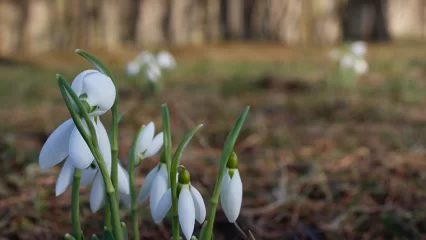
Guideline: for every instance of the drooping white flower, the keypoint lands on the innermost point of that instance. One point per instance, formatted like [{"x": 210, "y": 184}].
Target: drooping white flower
[
  {"x": 145, "y": 57},
  {"x": 231, "y": 192},
  {"x": 166, "y": 60},
  {"x": 359, "y": 48},
  {"x": 361, "y": 66},
  {"x": 133, "y": 68},
  {"x": 347, "y": 61},
  {"x": 191, "y": 205},
  {"x": 147, "y": 145},
  {"x": 60, "y": 146},
  {"x": 96, "y": 89},
  {"x": 152, "y": 71}
]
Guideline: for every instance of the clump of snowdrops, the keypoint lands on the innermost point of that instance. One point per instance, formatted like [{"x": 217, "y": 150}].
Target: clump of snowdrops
[
  {"x": 153, "y": 66},
  {"x": 351, "y": 63},
  {"x": 89, "y": 154}
]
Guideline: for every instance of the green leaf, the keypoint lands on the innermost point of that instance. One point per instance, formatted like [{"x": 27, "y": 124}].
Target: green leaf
[
  {"x": 182, "y": 145},
  {"x": 96, "y": 62},
  {"x": 167, "y": 135},
  {"x": 108, "y": 235},
  {"x": 68, "y": 237},
  {"x": 94, "y": 237},
  {"x": 232, "y": 138},
  {"x": 124, "y": 231}
]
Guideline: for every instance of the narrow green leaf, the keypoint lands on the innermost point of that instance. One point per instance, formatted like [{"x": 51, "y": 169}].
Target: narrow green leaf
[
  {"x": 96, "y": 62},
  {"x": 94, "y": 237},
  {"x": 124, "y": 231},
  {"x": 232, "y": 138},
  {"x": 167, "y": 135},
  {"x": 108, "y": 235}
]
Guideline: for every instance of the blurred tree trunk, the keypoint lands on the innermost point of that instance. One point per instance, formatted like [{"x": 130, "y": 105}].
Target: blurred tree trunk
[
  {"x": 38, "y": 27},
  {"x": 286, "y": 20},
  {"x": 149, "y": 28},
  {"x": 260, "y": 19},
  {"x": 111, "y": 23},
  {"x": 326, "y": 21},
  {"x": 212, "y": 14},
  {"x": 186, "y": 24},
  {"x": 11, "y": 22},
  {"x": 406, "y": 18}
]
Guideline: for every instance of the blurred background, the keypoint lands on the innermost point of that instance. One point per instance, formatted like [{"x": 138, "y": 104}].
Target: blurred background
[{"x": 334, "y": 144}]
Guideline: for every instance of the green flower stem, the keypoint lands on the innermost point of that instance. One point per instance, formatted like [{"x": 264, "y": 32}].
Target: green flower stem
[
  {"x": 107, "y": 216},
  {"x": 75, "y": 205},
  {"x": 93, "y": 146},
  {"x": 226, "y": 153},
  {"x": 98, "y": 64},
  {"x": 168, "y": 156}
]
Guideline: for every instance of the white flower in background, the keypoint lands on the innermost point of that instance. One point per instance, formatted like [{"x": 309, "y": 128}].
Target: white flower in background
[
  {"x": 96, "y": 89},
  {"x": 347, "y": 61},
  {"x": 191, "y": 206},
  {"x": 231, "y": 192},
  {"x": 133, "y": 68},
  {"x": 145, "y": 57},
  {"x": 166, "y": 60},
  {"x": 152, "y": 72},
  {"x": 359, "y": 48},
  {"x": 361, "y": 66}
]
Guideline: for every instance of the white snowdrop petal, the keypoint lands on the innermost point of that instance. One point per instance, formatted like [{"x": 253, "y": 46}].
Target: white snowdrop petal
[
  {"x": 145, "y": 138},
  {"x": 153, "y": 72},
  {"x": 166, "y": 60},
  {"x": 123, "y": 180},
  {"x": 87, "y": 176},
  {"x": 200, "y": 207},
  {"x": 77, "y": 84},
  {"x": 79, "y": 153},
  {"x": 186, "y": 212},
  {"x": 97, "y": 194},
  {"x": 65, "y": 178},
  {"x": 145, "y": 57},
  {"x": 163, "y": 206},
  {"x": 234, "y": 197},
  {"x": 155, "y": 146},
  {"x": 104, "y": 144},
  {"x": 159, "y": 187},
  {"x": 133, "y": 68},
  {"x": 146, "y": 186},
  {"x": 56, "y": 147},
  {"x": 100, "y": 91}
]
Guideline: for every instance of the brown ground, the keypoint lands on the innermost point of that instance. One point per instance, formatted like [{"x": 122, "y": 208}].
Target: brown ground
[{"x": 316, "y": 162}]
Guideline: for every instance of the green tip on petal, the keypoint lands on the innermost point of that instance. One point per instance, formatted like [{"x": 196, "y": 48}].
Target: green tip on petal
[
  {"x": 233, "y": 161},
  {"x": 184, "y": 177}
]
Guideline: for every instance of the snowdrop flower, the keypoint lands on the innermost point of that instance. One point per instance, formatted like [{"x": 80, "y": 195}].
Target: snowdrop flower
[
  {"x": 95, "y": 90},
  {"x": 361, "y": 66},
  {"x": 67, "y": 143},
  {"x": 145, "y": 57},
  {"x": 147, "y": 146},
  {"x": 191, "y": 206},
  {"x": 166, "y": 60},
  {"x": 359, "y": 48},
  {"x": 231, "y": 191},
  {"x": 152, "y": 71},
  {"x": 133, "y": 68},
  {"x": 347, "y": 61}
]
